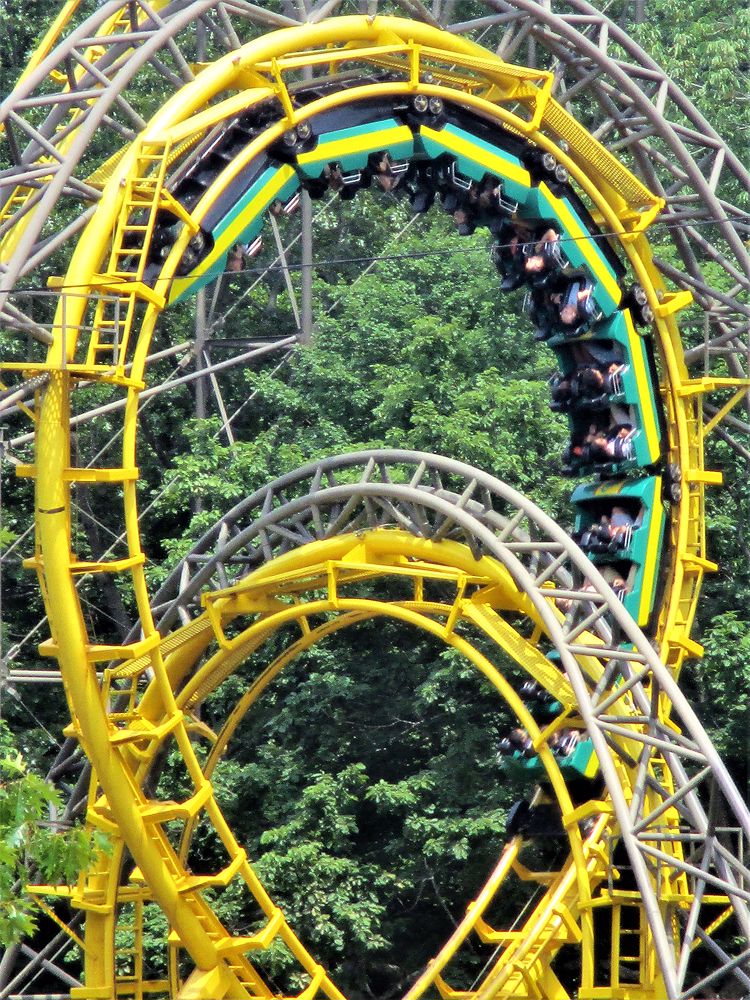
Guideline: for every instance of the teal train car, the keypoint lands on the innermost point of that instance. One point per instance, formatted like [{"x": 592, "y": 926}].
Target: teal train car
[
  {"x": 352, "y": 147},
  {"x": 581, "y": 763},
  {"x": 616, "y": 341},
  {"x": 350, "y": 137},
  {"x": 639, "y": 550},
  {"x": 237, "y": 216},
  {"x": 475, "y": 157}
]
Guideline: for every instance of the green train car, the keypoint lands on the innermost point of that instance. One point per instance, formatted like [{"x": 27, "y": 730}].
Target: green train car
[
  {"x": 639, "y": 550},
  {"x": 581, "y": 763},
  {"x": 360, "y": 132}
]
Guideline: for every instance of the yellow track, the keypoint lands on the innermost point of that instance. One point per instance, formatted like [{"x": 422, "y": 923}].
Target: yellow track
[
  {"x": 23, "y": 195},
  {"x": 121, "y": 313}
]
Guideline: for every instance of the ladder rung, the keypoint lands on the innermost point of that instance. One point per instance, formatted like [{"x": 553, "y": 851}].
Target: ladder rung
[
  {"x": 103, "y": 653},
  {"x": 162, "y": 812},
  {"x": 149, "y": 731},
  {"x": 103, "y": 282},
  {"x": 88, "y": 899},
  {"x": 84, "y": 567},
  {"x": 71, "y": 475}
]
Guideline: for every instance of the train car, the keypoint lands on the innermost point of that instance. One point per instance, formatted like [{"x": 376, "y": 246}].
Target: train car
[
  {"x": 580, "y": 251},
  {"x": 640, "y": 548},
  {"x": 581, "y": 763},
  {"x": 614, "y": 342},
  {"x": 237, "y": 216},
  {"x": 352, "y": 146},
  {"x": 350, "y": 140},
  {"x": 475, "y": 157}
]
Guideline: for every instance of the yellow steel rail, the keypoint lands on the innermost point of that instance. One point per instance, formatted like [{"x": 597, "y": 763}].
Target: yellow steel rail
[{"x": 623, "y": 204}]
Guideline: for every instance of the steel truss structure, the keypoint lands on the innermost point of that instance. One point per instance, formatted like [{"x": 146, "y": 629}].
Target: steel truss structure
[{"x": 311, "y": 550}]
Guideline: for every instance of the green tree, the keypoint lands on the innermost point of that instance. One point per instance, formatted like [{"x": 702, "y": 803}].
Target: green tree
[{"x": 33, "y": 846}]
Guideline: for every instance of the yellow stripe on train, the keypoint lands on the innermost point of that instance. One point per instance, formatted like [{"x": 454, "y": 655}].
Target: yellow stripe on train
[
  {"x": 234, "y": 227},
  {"x": 496, "y": 164},
  {"x": 330, "y": 150},
  {"x": 585, "y": 243},
  {"x": 653, "y": 556},
  {"x": 645, "y": 387}
]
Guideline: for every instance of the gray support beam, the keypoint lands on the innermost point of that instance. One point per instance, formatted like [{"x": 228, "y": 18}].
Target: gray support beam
[{"x": 218, "y": 366}]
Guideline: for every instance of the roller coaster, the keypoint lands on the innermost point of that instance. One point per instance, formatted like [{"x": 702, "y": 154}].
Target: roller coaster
[{"x": 565, "y": 141}]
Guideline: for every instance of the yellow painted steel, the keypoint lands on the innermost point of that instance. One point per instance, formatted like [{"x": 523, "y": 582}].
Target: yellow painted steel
[
  {"x": 607, "y": 183},
  {"x": 20, "y": 202},
  {"x": 122, "y": 745}
]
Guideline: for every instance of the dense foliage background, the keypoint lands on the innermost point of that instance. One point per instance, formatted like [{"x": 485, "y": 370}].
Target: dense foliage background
[{"x": 365, "y": 784}]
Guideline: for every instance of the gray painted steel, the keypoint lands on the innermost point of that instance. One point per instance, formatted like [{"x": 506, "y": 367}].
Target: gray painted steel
[{"x": 435, "y": 497}]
